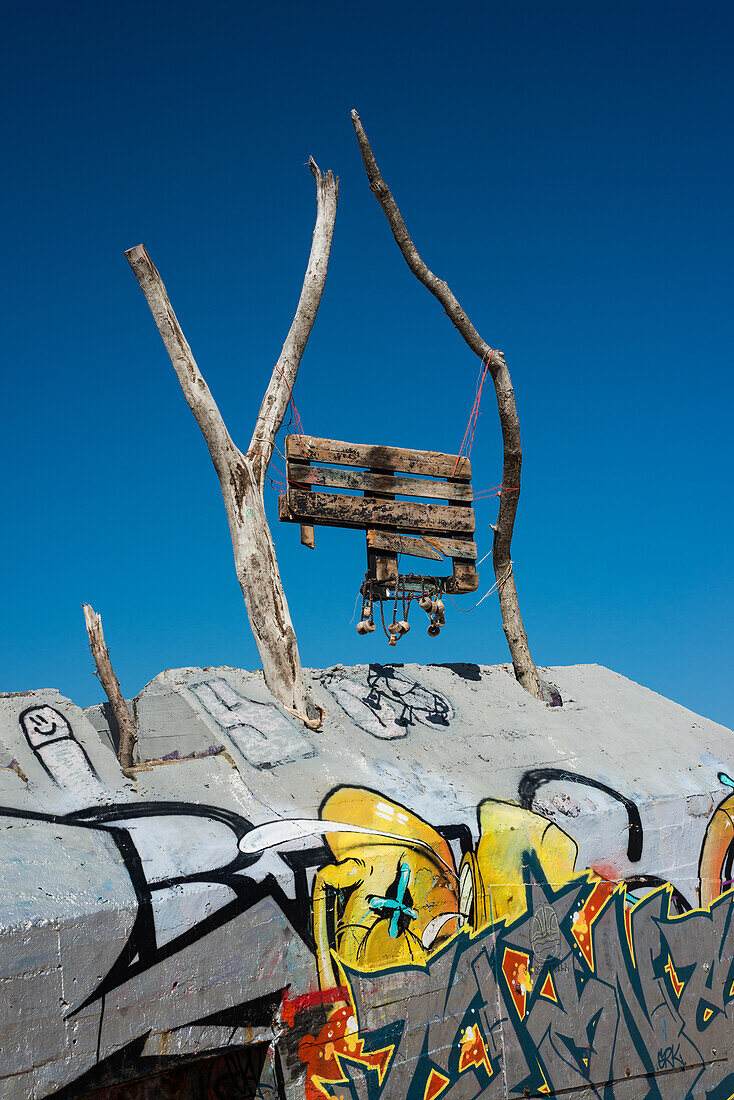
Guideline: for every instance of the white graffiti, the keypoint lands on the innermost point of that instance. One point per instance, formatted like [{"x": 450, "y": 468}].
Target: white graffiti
[
  {"x": 50, "y": 736},
  {"x": 258, "y": 731}
]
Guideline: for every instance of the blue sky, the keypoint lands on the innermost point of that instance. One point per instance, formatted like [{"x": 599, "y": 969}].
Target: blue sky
[{"x": 566, "y": 167}]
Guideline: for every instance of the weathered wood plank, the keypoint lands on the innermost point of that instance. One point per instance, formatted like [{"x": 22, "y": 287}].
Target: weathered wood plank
[
  {"x": 454, "y": 548},
  {"x": 405, "y": 461},
  {"x": 308, "y": 538},
  {"x": 401, "y": 544},
  {"x": 466, "y": 577},
  {"x": 382, "y": 566},
  {"x": 328, "y": 509},
  {"x": 434, "y": 548},
  {"x": 301, "y": 476},
  {"x": 386, "y": 568}
]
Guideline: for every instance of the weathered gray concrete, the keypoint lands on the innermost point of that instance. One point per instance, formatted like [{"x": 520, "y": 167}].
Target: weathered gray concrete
[{"x": 130, "y": 918}]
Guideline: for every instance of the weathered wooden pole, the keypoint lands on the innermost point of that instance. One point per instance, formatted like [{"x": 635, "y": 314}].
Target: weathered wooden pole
[{"x": 111, "y": 685}]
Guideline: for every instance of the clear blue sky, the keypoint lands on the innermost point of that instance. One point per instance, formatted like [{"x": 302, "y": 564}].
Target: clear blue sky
[{"x": 566, "y": 167}]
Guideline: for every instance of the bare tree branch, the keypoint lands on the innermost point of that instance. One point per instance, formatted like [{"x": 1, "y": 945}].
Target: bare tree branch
[
  {"x": 195, "y": 390},
  {"x": 111, "y": 685},
  {"x": 525, "y": 669},
  {"x": 282, "y": 381},
  {"x": 242, "y": 476}
]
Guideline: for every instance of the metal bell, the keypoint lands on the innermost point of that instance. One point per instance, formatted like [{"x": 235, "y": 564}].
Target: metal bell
[
  {"x": 426, "y": 603},
  {"x": 404, "y": 626},
  {"x": 433, "y": 631}
]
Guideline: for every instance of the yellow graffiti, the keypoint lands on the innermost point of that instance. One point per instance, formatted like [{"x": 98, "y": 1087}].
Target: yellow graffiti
[
  {"x": 507, "y": 834},
  {"x": 394, "y": 899},
  {"x": 548, "y": 990},
  {"x": 386, "y": 901},
  {"x": 435, "y": 1085},
  {"x": 583, "y": 920},
  {"x": 716, "y": 846},
  {"x": 474, "y": 1051},
  {"x": 674, "y": 979}
]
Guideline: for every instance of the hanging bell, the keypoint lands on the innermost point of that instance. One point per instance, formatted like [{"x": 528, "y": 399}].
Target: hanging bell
[
  {"x": 369, "y": 626},
  {"x": 426, "y": 603},
  {"x": 393, "y": 639},
  {"x": 404, "y": 626},
  {"x": 438, "y": 610},
  {"x": 433, "y": 630},
  {"x": 363, "y": 627}
]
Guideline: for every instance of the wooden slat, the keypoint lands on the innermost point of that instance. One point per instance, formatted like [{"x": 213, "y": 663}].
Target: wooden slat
[
  {"x": 401, "y": 544},
  {"x": 330, "y": 510},
  {"x": 466, "y": 577},
  {"x": 382, "y": 566},
  {"x": 386, "y": 568},
  {"x": 376, "y": 483},
  {"x": 308, "y": 538},
  {"x": 428, "y": 463},
  {"x": 433, "y": 547}
]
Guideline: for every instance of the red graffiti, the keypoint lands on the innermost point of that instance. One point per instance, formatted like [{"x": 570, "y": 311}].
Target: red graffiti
[
  {"x": 338, "y": 1040},
  {"x": 291, "y": 1007}
]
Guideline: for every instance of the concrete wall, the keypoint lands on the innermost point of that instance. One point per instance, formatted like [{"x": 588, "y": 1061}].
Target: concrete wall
[{"x": 449, "y": 890}]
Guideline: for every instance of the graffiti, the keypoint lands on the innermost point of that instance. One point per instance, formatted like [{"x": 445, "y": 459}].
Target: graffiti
[
  {"x": 259, "y": 731},
  {"x": 435, "y": 959},
  {"x": 545, "y": 935},
  {"x": 184, "y": 860},
  {"x": 176, "y": 867},
  {"x": 535, "y": 778},
  {"x": 716, "y": 867},
  {"x": 670, "y": 1057},
  {"x": 61, "y": 756},
  {"x": 390, "y": 703},
  {"x": 515, "y": 938}
]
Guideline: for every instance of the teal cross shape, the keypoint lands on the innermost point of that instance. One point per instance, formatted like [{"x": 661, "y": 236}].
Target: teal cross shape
[{"x": 396, "y": 907}]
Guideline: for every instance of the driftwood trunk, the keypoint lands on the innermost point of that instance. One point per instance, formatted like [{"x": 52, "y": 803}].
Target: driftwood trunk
[
  {"x": 525, "y": 669},
  {"x": 242, "y": 475},
  {"x": 111, "y": 685}
]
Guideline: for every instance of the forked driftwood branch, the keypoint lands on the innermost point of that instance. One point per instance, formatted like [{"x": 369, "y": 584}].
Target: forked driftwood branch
[
  {"x": 111, "y": 685},
  {"x": 242, "y": 476},
  {"x": 525, "y": 669}
]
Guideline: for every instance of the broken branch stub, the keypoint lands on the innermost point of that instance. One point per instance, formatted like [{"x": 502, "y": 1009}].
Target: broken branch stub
[
  {"x": 111, "y": 685},
  {"x": 523, "y": 663},
  {"x": 242, "y": 476}
]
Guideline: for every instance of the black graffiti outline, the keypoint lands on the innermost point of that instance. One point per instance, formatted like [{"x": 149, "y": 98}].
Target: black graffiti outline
[
  {"x": 534, "y": 778},
  {"x": 140, "y": 951},
  {"x": 70, "y": 737},
  {"x": 440, "y": 716},
  {"x": 644, "y": 882}
]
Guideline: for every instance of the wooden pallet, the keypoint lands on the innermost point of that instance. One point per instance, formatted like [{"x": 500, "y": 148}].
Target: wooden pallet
[{"x": 440, "y": 523}]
